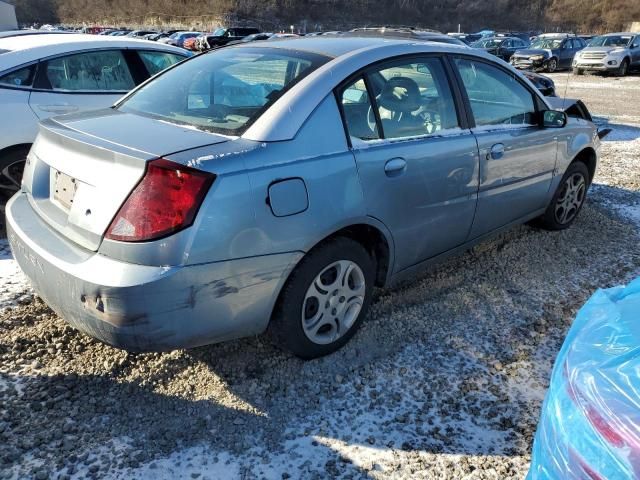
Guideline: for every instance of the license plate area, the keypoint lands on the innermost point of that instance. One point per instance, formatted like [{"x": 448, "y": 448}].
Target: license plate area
[{"x": 64, "y": 189}]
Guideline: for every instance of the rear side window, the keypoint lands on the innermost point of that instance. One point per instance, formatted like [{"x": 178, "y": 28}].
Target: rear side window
[
  {"x": 19, "y": 78},
  {"x": 415, "y": 99},
  {"x": 104, "y": 70},
  {"x": 496, "y": 97},
  {"x": 157, "y": 61},
  {"x": 359, "y": 116},
  {"x": 411, "y": 98},
  {"x": 224, "y": 91}
]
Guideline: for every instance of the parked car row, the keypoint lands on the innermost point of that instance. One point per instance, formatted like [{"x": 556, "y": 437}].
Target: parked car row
[{"x": 617, "y": 53}]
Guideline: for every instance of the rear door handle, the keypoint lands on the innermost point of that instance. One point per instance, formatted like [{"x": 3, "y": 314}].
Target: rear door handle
[
  {"x": 496, "y": 152},
  {"x": 395, "y": 167}
]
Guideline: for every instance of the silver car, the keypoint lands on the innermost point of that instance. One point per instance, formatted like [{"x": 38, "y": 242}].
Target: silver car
[{"x": 273, "y": 186}]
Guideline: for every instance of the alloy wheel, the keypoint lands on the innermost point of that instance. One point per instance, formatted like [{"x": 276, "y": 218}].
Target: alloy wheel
[
  {"x": 552, "y": 65},
  {"x": 333, "y": 302},
  {"x": 10, "y": 179},
  {"x": 571, "y": 198}
]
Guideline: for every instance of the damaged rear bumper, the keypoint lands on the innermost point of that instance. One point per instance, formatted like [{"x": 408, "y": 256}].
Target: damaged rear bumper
[{"x": 140, "y": 307}]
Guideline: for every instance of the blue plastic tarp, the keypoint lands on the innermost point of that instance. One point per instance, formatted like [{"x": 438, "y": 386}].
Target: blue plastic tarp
[{"x": 590, "y": 422}]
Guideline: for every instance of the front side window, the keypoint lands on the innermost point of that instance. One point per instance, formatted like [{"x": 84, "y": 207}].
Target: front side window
[
  {"x": 496, "y": 97},
  {"x": 225, "y": 91},
  {"x": 414, "y": 99},
  {"x": 156, "y": 61},
  {"x": 104, "y": 70},
  {"x": 19, "y": 78}
]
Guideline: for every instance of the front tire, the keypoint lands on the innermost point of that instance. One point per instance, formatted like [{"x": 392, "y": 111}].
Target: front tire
[
  {"x": 568, "y": 199},
  {"x": 324, "y": 300},
  {"x": 11, "y": 168},
  {"x": 623, "y": 69},
  {"x": 552, "y": 65}
]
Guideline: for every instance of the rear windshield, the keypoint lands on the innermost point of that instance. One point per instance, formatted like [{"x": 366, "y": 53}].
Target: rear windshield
[
  {"x": 224, "y": 91},
  {"x": 610, "y": 41}
]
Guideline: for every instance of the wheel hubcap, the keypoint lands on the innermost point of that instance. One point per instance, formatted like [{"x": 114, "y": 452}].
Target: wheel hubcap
[
  {"x": 333, "y": 302},
  {"x": 570, "y": 198}
]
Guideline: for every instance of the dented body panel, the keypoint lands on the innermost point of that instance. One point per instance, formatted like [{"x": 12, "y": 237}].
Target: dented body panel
[{"x": 140, "y": 307}]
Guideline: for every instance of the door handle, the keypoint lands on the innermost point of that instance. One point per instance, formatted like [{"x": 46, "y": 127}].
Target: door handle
[
  {"x": 496, "y": 152},
  {"x": 395, "y": 167},
  {"x": 58, "y": 108}
]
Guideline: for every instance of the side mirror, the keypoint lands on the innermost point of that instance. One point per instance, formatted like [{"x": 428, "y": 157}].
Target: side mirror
[{"x": 553, "y": 119}]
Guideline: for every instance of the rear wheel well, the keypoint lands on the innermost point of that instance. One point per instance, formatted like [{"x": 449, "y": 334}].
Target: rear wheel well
[
  {"x": 14, "y": 148},
  {"x": 588, "y": 157},
  {"x": 374, "y": 242}
]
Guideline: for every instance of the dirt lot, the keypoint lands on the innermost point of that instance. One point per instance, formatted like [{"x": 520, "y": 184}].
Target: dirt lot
[{"x": 444, "y": 380}]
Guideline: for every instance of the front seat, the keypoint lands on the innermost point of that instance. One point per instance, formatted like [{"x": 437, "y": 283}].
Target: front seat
[{"x": 400, "y": 97}]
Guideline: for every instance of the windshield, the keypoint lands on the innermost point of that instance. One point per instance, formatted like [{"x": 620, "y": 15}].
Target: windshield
[
  {"x": 487, "y": 43},
  {"x": 224, "y": 91},
  {"x": 218, "y": 32},
  {"x": 610, "y": 41},
  {"x": 547, "y": 43}
]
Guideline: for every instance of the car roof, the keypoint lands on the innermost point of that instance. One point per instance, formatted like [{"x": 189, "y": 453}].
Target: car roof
[
  {"x": 348, "y": 55},
  {"x": 619, "y": 33},
  {"x": 30, "y": 48},
  {"x": 22, "y": 33},
  {"x": 337, "y": 46}
]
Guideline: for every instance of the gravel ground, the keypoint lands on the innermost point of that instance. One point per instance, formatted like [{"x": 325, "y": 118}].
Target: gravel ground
[{"x": 444, "y": 380}]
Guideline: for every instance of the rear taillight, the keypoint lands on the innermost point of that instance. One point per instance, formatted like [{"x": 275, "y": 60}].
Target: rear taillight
[{"x": 165, "y": 201}]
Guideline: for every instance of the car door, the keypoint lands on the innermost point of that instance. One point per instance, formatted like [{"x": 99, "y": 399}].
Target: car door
[
  {"x": 517, "y": 157},
  {"x": 80, "y": 81},
  {"x": 566, "y": 53},
  {"x": 417, "y": 161},
  {"x": 634, "y": 49},
  {"x": 506, "y": 50}
]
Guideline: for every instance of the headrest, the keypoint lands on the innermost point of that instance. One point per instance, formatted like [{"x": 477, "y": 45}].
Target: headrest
[{"x": 400, "y": 94}]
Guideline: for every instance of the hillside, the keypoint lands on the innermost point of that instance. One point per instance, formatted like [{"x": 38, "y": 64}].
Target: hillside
[{"x": 445, "y": 15}]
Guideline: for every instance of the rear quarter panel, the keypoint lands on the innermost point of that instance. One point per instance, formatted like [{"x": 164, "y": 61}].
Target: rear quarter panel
[
  {"x": 18, "y": 124},
  {"x": 236, "y": 220}
]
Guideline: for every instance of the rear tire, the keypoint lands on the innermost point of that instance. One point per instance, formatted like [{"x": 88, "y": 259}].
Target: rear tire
[
  {"x": 578, "y": 71},
  {"x": 568, "y": 199},
  {"x": 324, "y": 299},
  {"x": 11, "y": 168}
]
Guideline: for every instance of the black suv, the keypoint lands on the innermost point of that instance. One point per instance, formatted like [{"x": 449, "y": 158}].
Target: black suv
[
  {"x": 549, "y": 53},
  {"x": 222, "y": 36}
]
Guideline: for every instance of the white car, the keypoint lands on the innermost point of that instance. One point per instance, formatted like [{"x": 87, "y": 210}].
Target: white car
[
  {"x": 614, "y": 52},
  {"x": 54, "y": 74}
]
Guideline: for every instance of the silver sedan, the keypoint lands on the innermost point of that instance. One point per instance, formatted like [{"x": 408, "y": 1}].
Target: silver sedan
[{"x": 273, "y": 186}]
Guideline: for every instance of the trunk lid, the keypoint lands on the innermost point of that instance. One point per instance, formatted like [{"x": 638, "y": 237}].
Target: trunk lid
[{"x": 82, "y": 167}]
